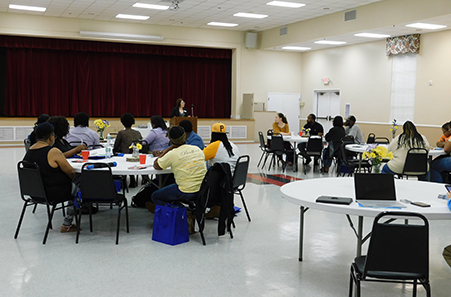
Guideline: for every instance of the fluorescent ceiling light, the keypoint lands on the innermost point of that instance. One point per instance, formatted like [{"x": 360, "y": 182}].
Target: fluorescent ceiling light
[
  {"x": 25, "y": 7},
  {"x": 296, "y": 48},
  {"x": 425, "y": 26},
  {"x": 330, "y": 42},
  {"x": 250, "y": 15},
  {"x": 222, "y": 24},
  {"x": 150, "y": 6},
  {"x": 132, "y": 17},
  {"x": 119, "y": 35},
  {"x": 372, "y": 35},
  {"x": 285, "y": 4}
]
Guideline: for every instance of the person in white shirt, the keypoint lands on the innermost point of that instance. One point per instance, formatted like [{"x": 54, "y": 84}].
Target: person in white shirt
[
  {"x": 82, "y": 133},
  {"x": 351, "y": 128}
]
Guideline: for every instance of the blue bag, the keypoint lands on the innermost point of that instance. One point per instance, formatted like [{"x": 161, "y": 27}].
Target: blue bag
[{"x": 170, "y": 225}]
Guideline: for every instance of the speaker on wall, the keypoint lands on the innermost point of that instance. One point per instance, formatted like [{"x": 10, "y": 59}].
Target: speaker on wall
[{"x": 251, "y": 40}]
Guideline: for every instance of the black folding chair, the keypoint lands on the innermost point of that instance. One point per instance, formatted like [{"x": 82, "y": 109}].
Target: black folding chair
[
  {"x": 97, "y": 187},
  {"x": 371, "y": 138},
  {"x": 33, "y": 193},
  {"x": 314, "y": 149},
  {"x": 264, "y": 148},
  {"x": 416, "y": 163},
  {"x": 398, "y": 252},
  {"x": 27, "y": 144},
  {"x": 351, "y": 164},
  {"x": 278, "y": 149},
  {"x": 239, "y": 179}
]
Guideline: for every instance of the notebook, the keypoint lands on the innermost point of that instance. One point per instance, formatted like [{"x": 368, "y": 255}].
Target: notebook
[
  {"x": 376, "y": 190},
  {"x": 334, "y": 200}
]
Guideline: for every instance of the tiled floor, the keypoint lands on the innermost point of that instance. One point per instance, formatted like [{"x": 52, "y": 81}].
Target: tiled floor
[{"x": 261, "y": 259}]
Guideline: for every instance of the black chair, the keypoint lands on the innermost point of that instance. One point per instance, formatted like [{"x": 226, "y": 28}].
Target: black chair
[
  {"x": 97, "y": 187},
  {"x": 381, "y": 140},
  {"x": 27, "y": 144},
  {"x": 33, "y": 193},
  {"x": 314, "y": 149},
  {"x": 278, "y": 149},
  {"x": 239, "y": 179},
  {"x": 416, "y": 162},
  {"x": 264, "y": 148},
  {"x": 397, "y": 252},
  {"x": 351, "y": 164},
  {"x": 371, "y": 138}
]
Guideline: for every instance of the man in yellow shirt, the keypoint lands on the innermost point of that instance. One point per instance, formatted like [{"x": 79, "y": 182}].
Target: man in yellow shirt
[{"x": 188, "y": 165}]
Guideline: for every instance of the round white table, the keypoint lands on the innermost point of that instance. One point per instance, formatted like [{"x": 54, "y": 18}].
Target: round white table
[
  {"x": 304, "y": 193},
  {"x": 360, "y": 148}
]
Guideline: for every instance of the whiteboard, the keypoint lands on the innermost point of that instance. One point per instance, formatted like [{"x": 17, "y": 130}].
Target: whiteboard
[{"x": 288, "y": 104}]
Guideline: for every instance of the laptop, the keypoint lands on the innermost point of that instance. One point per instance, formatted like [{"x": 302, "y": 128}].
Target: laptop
[{"x": 376, "y": 190}]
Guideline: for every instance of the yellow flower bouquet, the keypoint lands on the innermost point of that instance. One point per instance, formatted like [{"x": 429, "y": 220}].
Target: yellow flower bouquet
[
  {"x": 101, "y": 125},
  {"x": 135, "y": 146},
  {"x": 393, "y": 128},
  {"x": 376, "y": 154}
]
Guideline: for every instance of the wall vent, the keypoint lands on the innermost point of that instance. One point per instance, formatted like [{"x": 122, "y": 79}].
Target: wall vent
[
  {"x": 283, "y": 31},
  {"x": 14, "y": 133},
  {"x": 204, "y": 132},
  {"x": 233, "y": 132},
  {"x": 350, "y": 15}
]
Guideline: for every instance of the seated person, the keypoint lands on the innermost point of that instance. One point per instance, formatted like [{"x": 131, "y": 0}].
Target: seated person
[
  {"x": 41, "y": 119},
  {"x": 220, "y": 149},
  {"x": 188, "y": 165},
  {"x": 280, "y": 126},
  {"x": 400, "y": 145},
  {"x": 157, "y": 139},
  {"x": 315, "y": 129},
  {"x": 351, "y": 128},
  {"x": 81, "y": 133},
  {"x": 61, "y": 128},
  {"x": 125, "y": 137},
  {"x": 57, "y": 174},
  {"x": 446, "y": 135},
  {"x": 191, "y": 136},
  {"x": 447, "y": 250},
  {"x": 333, "y": 137}
]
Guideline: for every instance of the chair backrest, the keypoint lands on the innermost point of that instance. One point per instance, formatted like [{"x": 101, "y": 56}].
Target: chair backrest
[
  {"x": 416, "y": 162},
  {"x": 97, "y": 183},
  {"x": 381, "y": 140},
  {"x": 277, "y": 144},
  {"x": 371, "y": 138},
  {"x": 348, "y": 139},
  {"x": 398, "y": 247},
  {"x": 240, "y": 174},
  {"x": 344, "y": 154},
  {"x": 27, "y": 144},
  {"x": 270, "y": 132},
  {"x": 30, "y": 181},
  {"x": 315, "y": 144},
  {"x": 262, "y": 140}
]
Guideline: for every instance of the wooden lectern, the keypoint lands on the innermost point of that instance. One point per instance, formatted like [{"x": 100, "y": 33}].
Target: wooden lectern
[{"x": 176, "y": 120}]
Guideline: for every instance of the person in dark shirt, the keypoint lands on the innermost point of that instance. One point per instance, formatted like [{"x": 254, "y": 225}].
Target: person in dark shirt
[
  {"x": 41, "y": 119},
  {"x": 61, "y": 130},
  {"x": 333, "y": 137},
  {"x": 179, "y": 109},
  {"x": 315, "y": 129}
]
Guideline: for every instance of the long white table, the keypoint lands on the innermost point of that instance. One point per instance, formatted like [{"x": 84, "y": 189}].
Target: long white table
[{"x": 305, "y": 192}]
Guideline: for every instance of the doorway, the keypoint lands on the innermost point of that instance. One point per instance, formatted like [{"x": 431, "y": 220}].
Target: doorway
[{"x": 327, "y": 106}]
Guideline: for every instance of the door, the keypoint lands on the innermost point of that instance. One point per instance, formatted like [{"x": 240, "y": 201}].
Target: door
[
  {"x": 327, "y": 107},
  {"x": 288, "y": 104}
]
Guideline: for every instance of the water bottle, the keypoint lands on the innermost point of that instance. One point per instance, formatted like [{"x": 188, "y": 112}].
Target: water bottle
[{"x": 108, "y": 147}]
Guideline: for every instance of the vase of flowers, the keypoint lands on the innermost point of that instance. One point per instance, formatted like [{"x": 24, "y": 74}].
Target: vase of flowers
[
  {"x": 101, "y": 125},
  {"x": 135, "y": 149},
  {"x": 393, "y": 128},
  {"x": 306, "y": 132},
  {"x": 376, "y": 153}
]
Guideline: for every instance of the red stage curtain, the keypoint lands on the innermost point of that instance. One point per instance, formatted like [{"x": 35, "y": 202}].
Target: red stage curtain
[{"x": 64, "y": 77}]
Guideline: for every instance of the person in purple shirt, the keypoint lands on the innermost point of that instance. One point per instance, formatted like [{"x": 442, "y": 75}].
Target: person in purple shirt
[
  {"x": 157, "y": 137},
  {"x": 192, "y": 137}
]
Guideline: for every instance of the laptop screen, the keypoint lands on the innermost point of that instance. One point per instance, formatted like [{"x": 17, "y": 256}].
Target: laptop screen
[{"x": 374, "y": 186}]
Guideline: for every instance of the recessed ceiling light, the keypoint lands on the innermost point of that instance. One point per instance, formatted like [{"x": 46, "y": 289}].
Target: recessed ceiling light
[
  {"x": 250, "y": 15},
  {"x": 150, "y": 6},
  {"x": 222, "y": 24},
  {"x": 132, "y": 17},
  {"x": 426, "y": 26},
  {"x": 372, "y": 35},
  {"x": 330, "y": 42},
  {"x": 285, "y": 4},
  {"x": 296, "y": 48},
  {"x": 25, "y": 7}
]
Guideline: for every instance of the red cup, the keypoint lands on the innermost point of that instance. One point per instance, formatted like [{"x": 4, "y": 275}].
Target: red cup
[
  {"x": 300, "y": 133},
  {"x": 85, "y": 154},
  {"x": 142, "y": 159}
]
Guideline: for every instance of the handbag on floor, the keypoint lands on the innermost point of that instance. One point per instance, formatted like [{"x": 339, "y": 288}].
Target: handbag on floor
[{"x": 170, "y": 225}]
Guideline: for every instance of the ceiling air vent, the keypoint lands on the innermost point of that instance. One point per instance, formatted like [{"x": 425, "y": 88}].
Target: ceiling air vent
[
  {"x": 283, "y": 31},
  {"x": 350, "y": 15}
]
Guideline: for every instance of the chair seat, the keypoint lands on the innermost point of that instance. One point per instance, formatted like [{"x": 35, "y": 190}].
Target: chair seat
[{"x": 360, "y": 263}]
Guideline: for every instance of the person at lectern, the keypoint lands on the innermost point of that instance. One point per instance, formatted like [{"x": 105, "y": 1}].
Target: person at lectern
[{"x": 179, "y": 109}]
